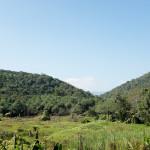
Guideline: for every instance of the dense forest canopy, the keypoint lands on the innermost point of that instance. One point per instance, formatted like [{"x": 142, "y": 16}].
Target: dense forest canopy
[
  {"x": 26, "y": 94},
  {"x": 126, "y": 88},
  {"x": 21, "y": 83},
  {"x": 29, "y": 94}
]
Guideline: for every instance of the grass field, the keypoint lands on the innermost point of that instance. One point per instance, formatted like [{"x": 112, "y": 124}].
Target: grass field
[{"x": 71, "y": 133}]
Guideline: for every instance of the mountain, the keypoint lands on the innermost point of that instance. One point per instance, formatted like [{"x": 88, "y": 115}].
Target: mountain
[
  {"x": 26, "y": 94},
  {"x": 130, "y": 87},
  {"x": 22, "y": 83}
]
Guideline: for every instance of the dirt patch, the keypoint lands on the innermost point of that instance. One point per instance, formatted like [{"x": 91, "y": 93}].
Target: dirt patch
[
  {"x": 6, "y": 125},
  {"x": 46, "y": 127}
]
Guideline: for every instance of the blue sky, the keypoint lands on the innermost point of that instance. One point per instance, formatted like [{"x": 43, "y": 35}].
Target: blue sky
[{"x": 94, "y": 45}]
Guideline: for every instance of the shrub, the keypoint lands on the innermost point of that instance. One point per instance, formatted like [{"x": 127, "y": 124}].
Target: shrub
[
  {"x": 45, "y": 116},
  {"x": 35, "y": 128},
  {"x": 20, "y": 130},
  {"x": 7, "y": 114}
]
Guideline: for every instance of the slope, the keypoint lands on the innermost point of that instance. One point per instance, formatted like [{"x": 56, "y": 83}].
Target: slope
[
  {"x": 22, "y": 83},
  {"x": 130, "y": 86},
  {"x": 25, "y": 94}
]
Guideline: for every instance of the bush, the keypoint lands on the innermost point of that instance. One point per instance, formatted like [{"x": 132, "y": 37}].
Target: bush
[
  {"x": 45, "y": 116},
  {"x": 85, "y": 120},
  {"x": 35, "y": 128},
  {"x": 6, "y": 135},
  {"x": 20, "y": 130},
  {"x": 7, "y": 114},
  {"x": 102, "y": 117}
]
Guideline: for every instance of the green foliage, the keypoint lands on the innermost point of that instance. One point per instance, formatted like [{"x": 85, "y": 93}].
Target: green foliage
[
  {"x": 144, "y": 107},
  {"x": 37, "y": 146},
  {"x": 59, "y": 92},
  {"x": 8, "y": 114},
  {"x": 35, "y": 128},
  {"x": 20, "y": 130},
  {"x": 147, "y": 141},
  {"x": 6, "y": 135},
  {"x": 21, "y": 83},
  {"x": 2, "y": 147},
  {"x": 26, "y": 94},
  {"x": 19, "y": 141},
  {"x": 58, "y": 146},
  {"x": 76, "y": 135},
  {"x": 46, "y": 116},
  {"x": 18, "y": 148},
  {"x": 135, "y": 84}
]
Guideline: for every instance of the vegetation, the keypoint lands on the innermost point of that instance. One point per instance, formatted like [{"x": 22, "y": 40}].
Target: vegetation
[
  {"x": 45, "y": 116},
  {"x": 26, "y": 94},
  {"x": 130, "y": 88},
  {"x": 72, "y": 135},
  {"x": 40, "y": 108}
]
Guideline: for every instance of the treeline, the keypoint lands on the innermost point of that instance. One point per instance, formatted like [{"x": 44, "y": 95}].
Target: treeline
[
  {"x": 25, "y": 94},
  {"x": 116, "y": 108},
  {"x": 21, "y": 83},
  {"x": 125, "y": 109},
  {"x": 135, "y": 84},
  {"x": 56, "y": 105}
]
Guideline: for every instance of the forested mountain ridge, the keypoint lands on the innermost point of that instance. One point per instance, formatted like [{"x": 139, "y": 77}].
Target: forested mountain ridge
[
  {"x": 26, "y": 94},
  {"x": 22, "y": 83},
  {"x": 128, "y": 103},
  {"x": 130, "y": 87}
]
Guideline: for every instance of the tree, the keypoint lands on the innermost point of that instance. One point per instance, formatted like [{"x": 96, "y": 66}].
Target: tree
[
  {"x": 122, "y": 106},
  {"x": 45, "y": 116},
  {"x": 59, "y": 92},
  {"x": 77, "y": 109},
  {"x": 18, "y": 109},
  {"x": 143, "y": 110}
]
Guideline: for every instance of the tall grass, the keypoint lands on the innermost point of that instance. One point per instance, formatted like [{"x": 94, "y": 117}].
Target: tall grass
[
  {"x": 99, "y": 135},
  {"x": 116, "y": 137}
]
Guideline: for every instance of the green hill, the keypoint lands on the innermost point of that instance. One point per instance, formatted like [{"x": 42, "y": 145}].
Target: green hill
[
  {"x": 128, "y": 103},
  {"x": 22, "y": 83},
  {"x": 24, "y": 94},
  {"x": 130, "y": 87}
]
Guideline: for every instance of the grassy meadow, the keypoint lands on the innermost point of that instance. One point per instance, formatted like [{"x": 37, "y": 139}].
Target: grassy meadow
[{"x": 72, "y": 133}]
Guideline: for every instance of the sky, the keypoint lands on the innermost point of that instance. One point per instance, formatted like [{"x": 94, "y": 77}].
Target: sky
[{"x": 94, "y": 45}]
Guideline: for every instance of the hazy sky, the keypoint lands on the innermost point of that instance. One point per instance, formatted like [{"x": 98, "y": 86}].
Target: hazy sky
[{"x": 92, "y": 44}]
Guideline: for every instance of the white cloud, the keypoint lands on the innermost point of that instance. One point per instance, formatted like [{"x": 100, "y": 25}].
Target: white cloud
[
  {"x": 87, "y": 83},
  {"x": 121, "y": 82}
]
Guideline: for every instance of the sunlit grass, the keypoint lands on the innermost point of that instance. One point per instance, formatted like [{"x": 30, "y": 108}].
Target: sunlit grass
[{"x": 96, "y": 135}]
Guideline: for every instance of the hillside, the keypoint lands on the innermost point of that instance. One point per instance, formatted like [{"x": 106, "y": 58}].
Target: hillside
[
  {"x": 22, "y": 83},
  {"x": 24, "y": 94},
  {"x": 130, "y": 86}
]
